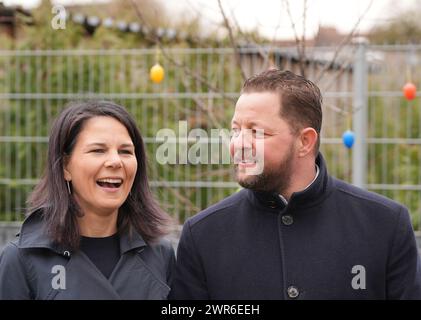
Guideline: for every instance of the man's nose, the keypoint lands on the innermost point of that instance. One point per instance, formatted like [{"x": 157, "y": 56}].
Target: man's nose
[
  {"x": 114, "y": 160},
  {"x": 242, "y": 146},
  {"x": 244, "y": 139}
]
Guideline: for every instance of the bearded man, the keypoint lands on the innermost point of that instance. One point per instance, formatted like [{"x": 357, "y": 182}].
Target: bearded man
[{"x": 294, "y": 231}]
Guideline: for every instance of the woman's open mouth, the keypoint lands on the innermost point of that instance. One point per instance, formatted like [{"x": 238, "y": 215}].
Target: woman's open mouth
[{"x": 110, "y": 184}]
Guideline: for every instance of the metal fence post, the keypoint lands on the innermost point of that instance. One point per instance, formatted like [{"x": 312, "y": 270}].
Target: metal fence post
[{"x": 359, "y": 119}]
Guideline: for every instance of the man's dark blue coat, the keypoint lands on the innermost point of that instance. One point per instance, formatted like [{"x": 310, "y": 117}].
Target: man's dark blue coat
[{"x": 331, "y": 241}]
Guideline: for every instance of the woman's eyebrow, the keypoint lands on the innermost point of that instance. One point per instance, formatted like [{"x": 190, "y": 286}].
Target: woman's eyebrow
[
  {"x": 127, "y": 145},
  {"x": 101, "y": 144},
  {"x": 96, "y": 144}
]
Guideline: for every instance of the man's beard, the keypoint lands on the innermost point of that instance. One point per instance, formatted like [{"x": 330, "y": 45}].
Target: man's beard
[{"x": 276, "y": 179}]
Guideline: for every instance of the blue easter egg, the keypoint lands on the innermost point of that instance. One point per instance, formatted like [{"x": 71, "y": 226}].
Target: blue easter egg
[{"x": 348, "y": 138}]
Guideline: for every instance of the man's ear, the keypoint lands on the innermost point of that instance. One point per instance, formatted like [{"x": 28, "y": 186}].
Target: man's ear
[
  {"x": 66, "y": 173},
  {"x": 307, "y": 141}
]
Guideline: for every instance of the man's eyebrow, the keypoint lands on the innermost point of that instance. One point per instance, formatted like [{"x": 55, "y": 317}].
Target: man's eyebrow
[
  {"x": 255, "y": 124},
  {"x": 250, "y": 124}
]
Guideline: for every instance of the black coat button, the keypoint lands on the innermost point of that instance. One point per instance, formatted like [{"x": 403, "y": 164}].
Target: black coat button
[
  {"x": 293, "y": 292},
  {"x": 287, "y": 220}
]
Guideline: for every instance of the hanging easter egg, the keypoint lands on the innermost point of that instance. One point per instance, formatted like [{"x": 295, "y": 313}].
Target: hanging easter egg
[
  {"x": 157, "y": 73},
  {"x": 409, "y": 91},
  {"x": 348, "y": 138}
]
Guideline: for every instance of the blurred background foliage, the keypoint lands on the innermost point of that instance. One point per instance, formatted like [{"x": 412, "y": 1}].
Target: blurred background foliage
[{"x": 397, "y": 164}]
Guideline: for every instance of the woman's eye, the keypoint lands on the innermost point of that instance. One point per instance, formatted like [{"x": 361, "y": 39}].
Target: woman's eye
[
  {"x": 98, "y": 150},
  {"x": 126, "y": 152}
]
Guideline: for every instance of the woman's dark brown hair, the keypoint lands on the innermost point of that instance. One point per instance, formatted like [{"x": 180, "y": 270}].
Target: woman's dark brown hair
[{"x": 51, "y": 198}]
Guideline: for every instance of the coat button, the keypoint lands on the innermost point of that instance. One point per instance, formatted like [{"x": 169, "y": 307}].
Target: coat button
[
  {"x": 287, "y": 220},
  {"x": 293, "y": 292}
]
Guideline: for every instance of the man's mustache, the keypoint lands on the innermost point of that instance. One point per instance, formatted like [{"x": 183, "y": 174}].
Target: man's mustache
[{"x": 244, "y": 155}]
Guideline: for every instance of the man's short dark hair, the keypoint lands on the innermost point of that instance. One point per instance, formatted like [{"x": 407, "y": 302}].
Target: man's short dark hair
[{"x": 301, "y": 100}]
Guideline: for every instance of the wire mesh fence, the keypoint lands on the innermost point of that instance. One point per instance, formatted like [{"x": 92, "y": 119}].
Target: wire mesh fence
[{"x": 199, "y": 92}]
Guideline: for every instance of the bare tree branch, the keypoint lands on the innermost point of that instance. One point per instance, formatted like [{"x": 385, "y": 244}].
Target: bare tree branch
[
  {"x": 303, "y": 37},
  {"x": 179, "y": 196},
  {"x": 204, "y": 108},
  {"x": 155, "y": 39},
  {"x": 186, "y": 201},
  {"x": 232, "y": 40},
  {"x": 199, "y": 13},
  {"x": 340, "y": 72},
  {"x": 297, "y": 39},
  {"x": 266, "y": 54},
  {"x": 344, "y": 42}
]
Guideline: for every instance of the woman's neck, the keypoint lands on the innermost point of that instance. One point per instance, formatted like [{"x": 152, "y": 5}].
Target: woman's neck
[{"x": 98, "y": 226}]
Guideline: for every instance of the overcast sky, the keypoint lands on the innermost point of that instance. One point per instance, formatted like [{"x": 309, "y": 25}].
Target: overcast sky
[{"x": 266, "y": 14}]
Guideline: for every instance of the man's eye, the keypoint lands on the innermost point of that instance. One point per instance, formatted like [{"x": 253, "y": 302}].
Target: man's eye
[
  {"x": 258, "y": 133},
  {"x": 98, "y": 150},
  {"x": 235, "y": 131}
]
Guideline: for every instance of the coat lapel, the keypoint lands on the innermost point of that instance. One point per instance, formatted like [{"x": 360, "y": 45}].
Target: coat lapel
[
  {"x": 84, "y": 278},
  {"x": 142, "y": 282}
]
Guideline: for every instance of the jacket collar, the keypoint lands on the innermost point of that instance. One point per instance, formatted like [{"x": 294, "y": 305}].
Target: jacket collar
[
  {"x": 34, "y": 235},
  {"x": 131, "y": 241},
  {"x": 313, "y": 194}
]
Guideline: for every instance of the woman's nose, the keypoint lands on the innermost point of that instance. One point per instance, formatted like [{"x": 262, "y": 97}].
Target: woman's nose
[{"x": 114, "y": 160}]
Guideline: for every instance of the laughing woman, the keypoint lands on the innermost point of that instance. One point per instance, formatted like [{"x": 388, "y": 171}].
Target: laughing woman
[{"x": 94, "y": 230}]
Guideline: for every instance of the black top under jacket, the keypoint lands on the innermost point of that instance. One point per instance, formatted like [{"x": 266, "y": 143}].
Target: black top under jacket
[{"x": 103, "y": 252}]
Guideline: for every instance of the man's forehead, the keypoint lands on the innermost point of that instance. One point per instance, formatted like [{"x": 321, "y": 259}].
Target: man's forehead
[
  {"x": 259, "y": 101},
  {"x": 255, "y": 115}
]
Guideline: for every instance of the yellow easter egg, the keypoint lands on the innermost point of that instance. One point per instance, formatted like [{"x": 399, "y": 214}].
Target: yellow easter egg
[{"x": 157, "y": 73}]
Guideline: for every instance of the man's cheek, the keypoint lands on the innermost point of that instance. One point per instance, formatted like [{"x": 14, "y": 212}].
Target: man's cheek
[{"x": 231, "y": 150}]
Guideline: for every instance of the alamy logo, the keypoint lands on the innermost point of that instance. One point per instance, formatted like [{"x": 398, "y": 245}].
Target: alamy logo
[
  {"x": 197, "y": 147},
  {"x": 59, "y": 20},
  {"x": 59, "y": 280},
  {"x": 358, "y": 281}
]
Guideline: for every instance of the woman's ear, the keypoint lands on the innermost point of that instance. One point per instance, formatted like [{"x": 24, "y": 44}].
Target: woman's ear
[
  {"x": 66, "y": 172},
  {"x": 308, "y": 140}
]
